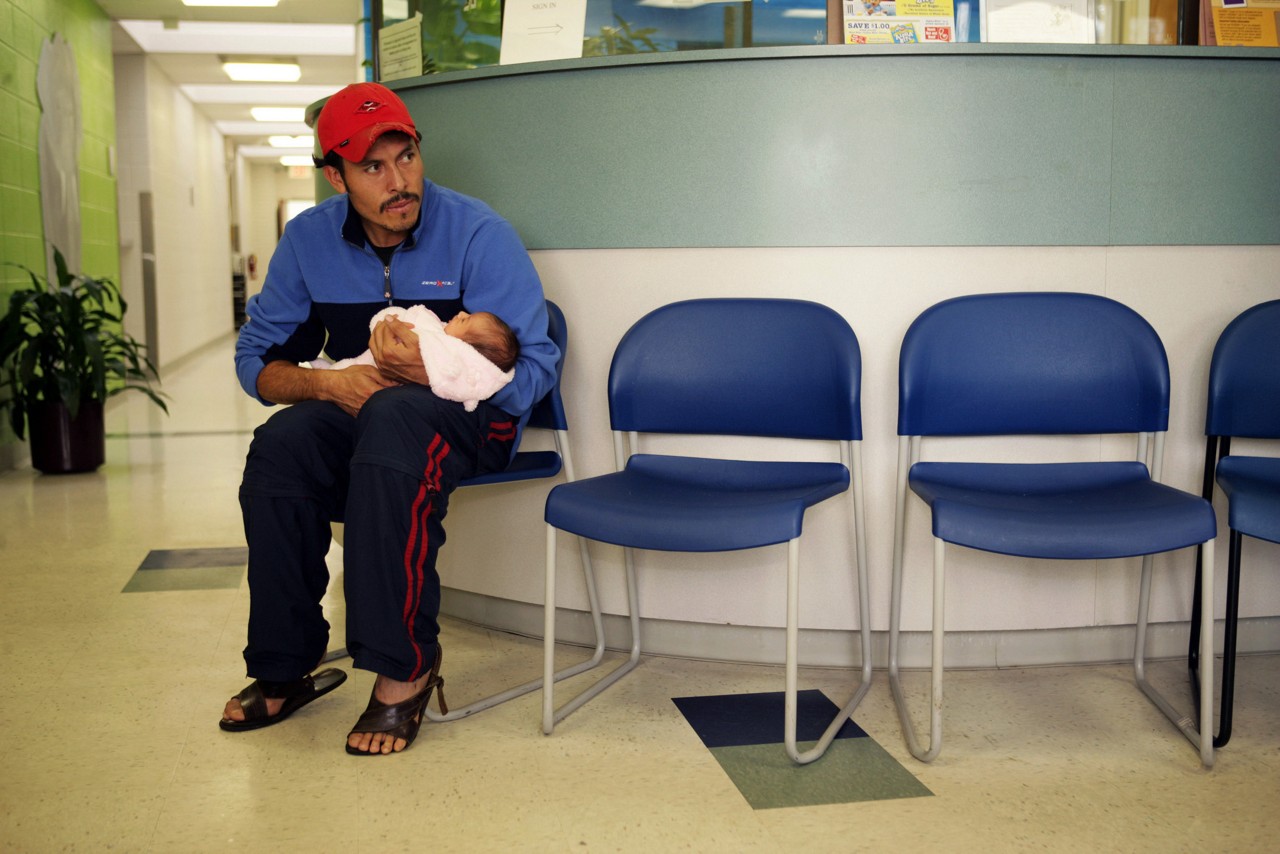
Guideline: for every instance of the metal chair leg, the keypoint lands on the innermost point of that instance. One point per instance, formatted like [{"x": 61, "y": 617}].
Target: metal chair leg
[
  {"x": 907, "y": 450},
  {"x": 1202, "y": 736},
  {"x": 550, "y": 715},
  {"x": 852, "y": 457}
]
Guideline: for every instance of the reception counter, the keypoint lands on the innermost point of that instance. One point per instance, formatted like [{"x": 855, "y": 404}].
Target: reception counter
[{"x": 877, "y": 181}]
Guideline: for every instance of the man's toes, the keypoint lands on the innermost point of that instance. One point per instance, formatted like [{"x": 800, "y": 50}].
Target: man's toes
[
  {"x": 233, "y": 711},
  {"x": 376, "y": 742}
]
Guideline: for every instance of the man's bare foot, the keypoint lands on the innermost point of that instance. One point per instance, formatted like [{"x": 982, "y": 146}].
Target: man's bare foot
[
  {"x": 388, "y": 692},
  {"x": 234, "y": 712},
  {"x": 264, "y": 703}
]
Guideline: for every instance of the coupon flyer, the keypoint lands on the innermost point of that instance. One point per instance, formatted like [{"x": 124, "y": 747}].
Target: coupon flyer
[
  {"x": 899, "y": 21},
  {"x": 1246, "y": 23}
]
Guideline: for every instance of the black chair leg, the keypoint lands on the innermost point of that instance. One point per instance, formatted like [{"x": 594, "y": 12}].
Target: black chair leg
[
  {"x": 1211, "y": 456},
  {"x": 1229, "y": 640},
  {"x": 1217, "y": 447},
  {"x": 1227, "y": 700}
]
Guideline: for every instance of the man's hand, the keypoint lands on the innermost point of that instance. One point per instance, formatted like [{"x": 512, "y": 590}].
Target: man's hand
[
  {"x": 285, "y": 382},
  {"x": 394, "y": 346},
  {"x": 355, "y": 385}
]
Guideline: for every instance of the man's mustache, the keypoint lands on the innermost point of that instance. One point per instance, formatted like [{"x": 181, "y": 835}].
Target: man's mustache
[{"x": 399, "y": 197}]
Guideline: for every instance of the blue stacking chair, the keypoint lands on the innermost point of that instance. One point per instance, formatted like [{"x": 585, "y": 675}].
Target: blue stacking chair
[
  {"x": 1244, "y": 401},
  {"x": 713, "y": 368},
  {"x": 1040, "y": 363}
]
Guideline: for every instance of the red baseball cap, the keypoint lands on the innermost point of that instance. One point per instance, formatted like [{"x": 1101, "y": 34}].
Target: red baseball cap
[{"x": 354, "y": 117}]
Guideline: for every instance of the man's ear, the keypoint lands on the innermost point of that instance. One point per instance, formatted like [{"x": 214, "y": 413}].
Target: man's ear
[{"x": 334, "y": 177}]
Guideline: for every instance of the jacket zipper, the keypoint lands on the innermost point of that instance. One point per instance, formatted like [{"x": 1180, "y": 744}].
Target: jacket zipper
[{"x": 386, "y": 282}]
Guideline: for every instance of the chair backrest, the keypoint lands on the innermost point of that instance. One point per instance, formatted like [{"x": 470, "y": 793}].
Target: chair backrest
[
  {"x": 548, "y": 413},
  {"x": 1031, "y": 363},
  {"x": 1244, "y": 376},
  {"x": 744, "y": 367}
]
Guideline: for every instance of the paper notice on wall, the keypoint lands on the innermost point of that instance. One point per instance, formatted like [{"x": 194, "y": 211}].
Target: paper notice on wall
[
  {"x": 537, "y": 30},
  {"x": 400, "y": 50},
  {"x": 899, "y": 21},
  {"x": 1040, "y": 21},
  {"x": 898, "y": 30},
  {"x": 1247, "y": 23}
]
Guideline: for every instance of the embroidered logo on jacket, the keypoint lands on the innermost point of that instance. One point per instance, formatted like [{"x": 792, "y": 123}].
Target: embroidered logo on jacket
[{"x": 438, "y": 283}]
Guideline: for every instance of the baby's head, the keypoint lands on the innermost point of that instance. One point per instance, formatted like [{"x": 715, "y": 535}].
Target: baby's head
[{"x": 489, "y": 334}]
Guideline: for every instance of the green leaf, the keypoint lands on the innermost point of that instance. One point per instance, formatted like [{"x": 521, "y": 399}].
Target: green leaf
[{"x": 64, "y": 341}]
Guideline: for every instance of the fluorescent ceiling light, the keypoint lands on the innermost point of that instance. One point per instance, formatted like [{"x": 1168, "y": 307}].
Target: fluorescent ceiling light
[
  {"x": 230, "y": 2},
  {"x": 282, "y": 141},
  {"x": 278, "y": 114},
  {"x": 266, "y": 151},
  {"x": 297, "y": 160},
  {"x": 261, "y": 128},
  {"x": 263, "y": 72},
  {"x": 241, "y": 39},
  {"x": 805, "y": 13},
  {"x": 253, "y": 93}
]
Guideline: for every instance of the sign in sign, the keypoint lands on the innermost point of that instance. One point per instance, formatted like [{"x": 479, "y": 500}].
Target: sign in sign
[{"x": 537, "y": 30}]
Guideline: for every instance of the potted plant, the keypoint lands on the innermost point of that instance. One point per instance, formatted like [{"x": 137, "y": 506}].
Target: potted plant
[{"x": 63, "y": 352}]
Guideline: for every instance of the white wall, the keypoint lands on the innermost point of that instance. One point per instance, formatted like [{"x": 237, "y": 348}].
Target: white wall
[
  {"x": 132, "y": 177},
  {"x": 268, "y": 184},
  {"x": 1187, "y": 293},
  {"x": 167, "y": 148}
]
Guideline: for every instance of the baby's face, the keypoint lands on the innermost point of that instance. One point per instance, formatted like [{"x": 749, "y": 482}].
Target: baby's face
[{"x": 466, "y": 326}]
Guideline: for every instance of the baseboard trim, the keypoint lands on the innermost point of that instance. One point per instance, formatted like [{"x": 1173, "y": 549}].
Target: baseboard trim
[
  {"x": 828, "y": 648},
  {"x": 14, "y": 456}
]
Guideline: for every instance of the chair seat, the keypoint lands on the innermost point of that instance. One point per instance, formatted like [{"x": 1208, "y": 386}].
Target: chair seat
[
  {"x": 527, "y": 465},
  {"x": 1252, "y": 484},
  {"x": 692, "y": 504},
  {"x": 1039, "y": 510}
]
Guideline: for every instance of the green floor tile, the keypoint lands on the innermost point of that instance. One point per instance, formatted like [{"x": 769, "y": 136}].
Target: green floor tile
[
  {"x": 853, "y": 769},
  {"x": 188, "y": 558},
  {"x": 198, "y": 578}
]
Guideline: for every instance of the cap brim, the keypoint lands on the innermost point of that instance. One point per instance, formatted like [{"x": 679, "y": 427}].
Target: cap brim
[{"x": 357, "y": 147}]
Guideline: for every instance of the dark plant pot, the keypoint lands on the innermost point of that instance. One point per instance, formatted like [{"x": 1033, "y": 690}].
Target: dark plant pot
[{"x": 61, "y": 444}]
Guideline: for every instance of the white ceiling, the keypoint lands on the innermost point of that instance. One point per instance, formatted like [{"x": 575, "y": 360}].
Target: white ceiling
[{"x": 186, "y": 43}]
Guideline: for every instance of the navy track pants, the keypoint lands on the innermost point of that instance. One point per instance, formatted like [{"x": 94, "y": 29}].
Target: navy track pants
[{"x": 387, "y": 474}]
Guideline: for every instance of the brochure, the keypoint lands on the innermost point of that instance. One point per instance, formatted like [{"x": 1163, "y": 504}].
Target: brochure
[
  {"x": 899, "y": 21},
  {"x": 1246, "y": 23}
]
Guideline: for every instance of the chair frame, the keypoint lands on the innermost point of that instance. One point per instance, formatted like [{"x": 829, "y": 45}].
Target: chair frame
[
  {"x": 851, "y": 457},
  {"x": 627, "y": 442},
  {"x": 1225, "y": 383},
  {"x": 1200, "y": 737},
  {"x": 1216, "y": 447},
  {"x": 1150, "y": 451}
]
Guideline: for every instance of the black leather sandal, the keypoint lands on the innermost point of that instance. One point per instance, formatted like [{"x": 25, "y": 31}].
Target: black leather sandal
[
  {"x": 402, "y": 719},
  {"x": 296, "y": 694}
]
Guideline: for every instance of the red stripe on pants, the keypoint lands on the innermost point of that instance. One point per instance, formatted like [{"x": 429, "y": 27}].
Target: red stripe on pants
[
  {"x": 418, "y": 546},
  {"x": 503, "y": 431}
]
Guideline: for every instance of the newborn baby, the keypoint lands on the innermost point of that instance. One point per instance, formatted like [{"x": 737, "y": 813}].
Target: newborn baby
[{"x": 467, "y": 359}]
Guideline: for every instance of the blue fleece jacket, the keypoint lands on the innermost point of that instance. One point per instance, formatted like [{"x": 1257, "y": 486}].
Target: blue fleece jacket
[{"x": 325, "y": 283}]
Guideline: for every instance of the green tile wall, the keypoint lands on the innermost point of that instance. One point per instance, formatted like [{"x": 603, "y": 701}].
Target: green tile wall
[{"x": 24, "y": 26}]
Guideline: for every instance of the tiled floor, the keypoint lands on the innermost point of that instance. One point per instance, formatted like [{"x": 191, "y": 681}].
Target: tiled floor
[{"x": 111, "y": 685}]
